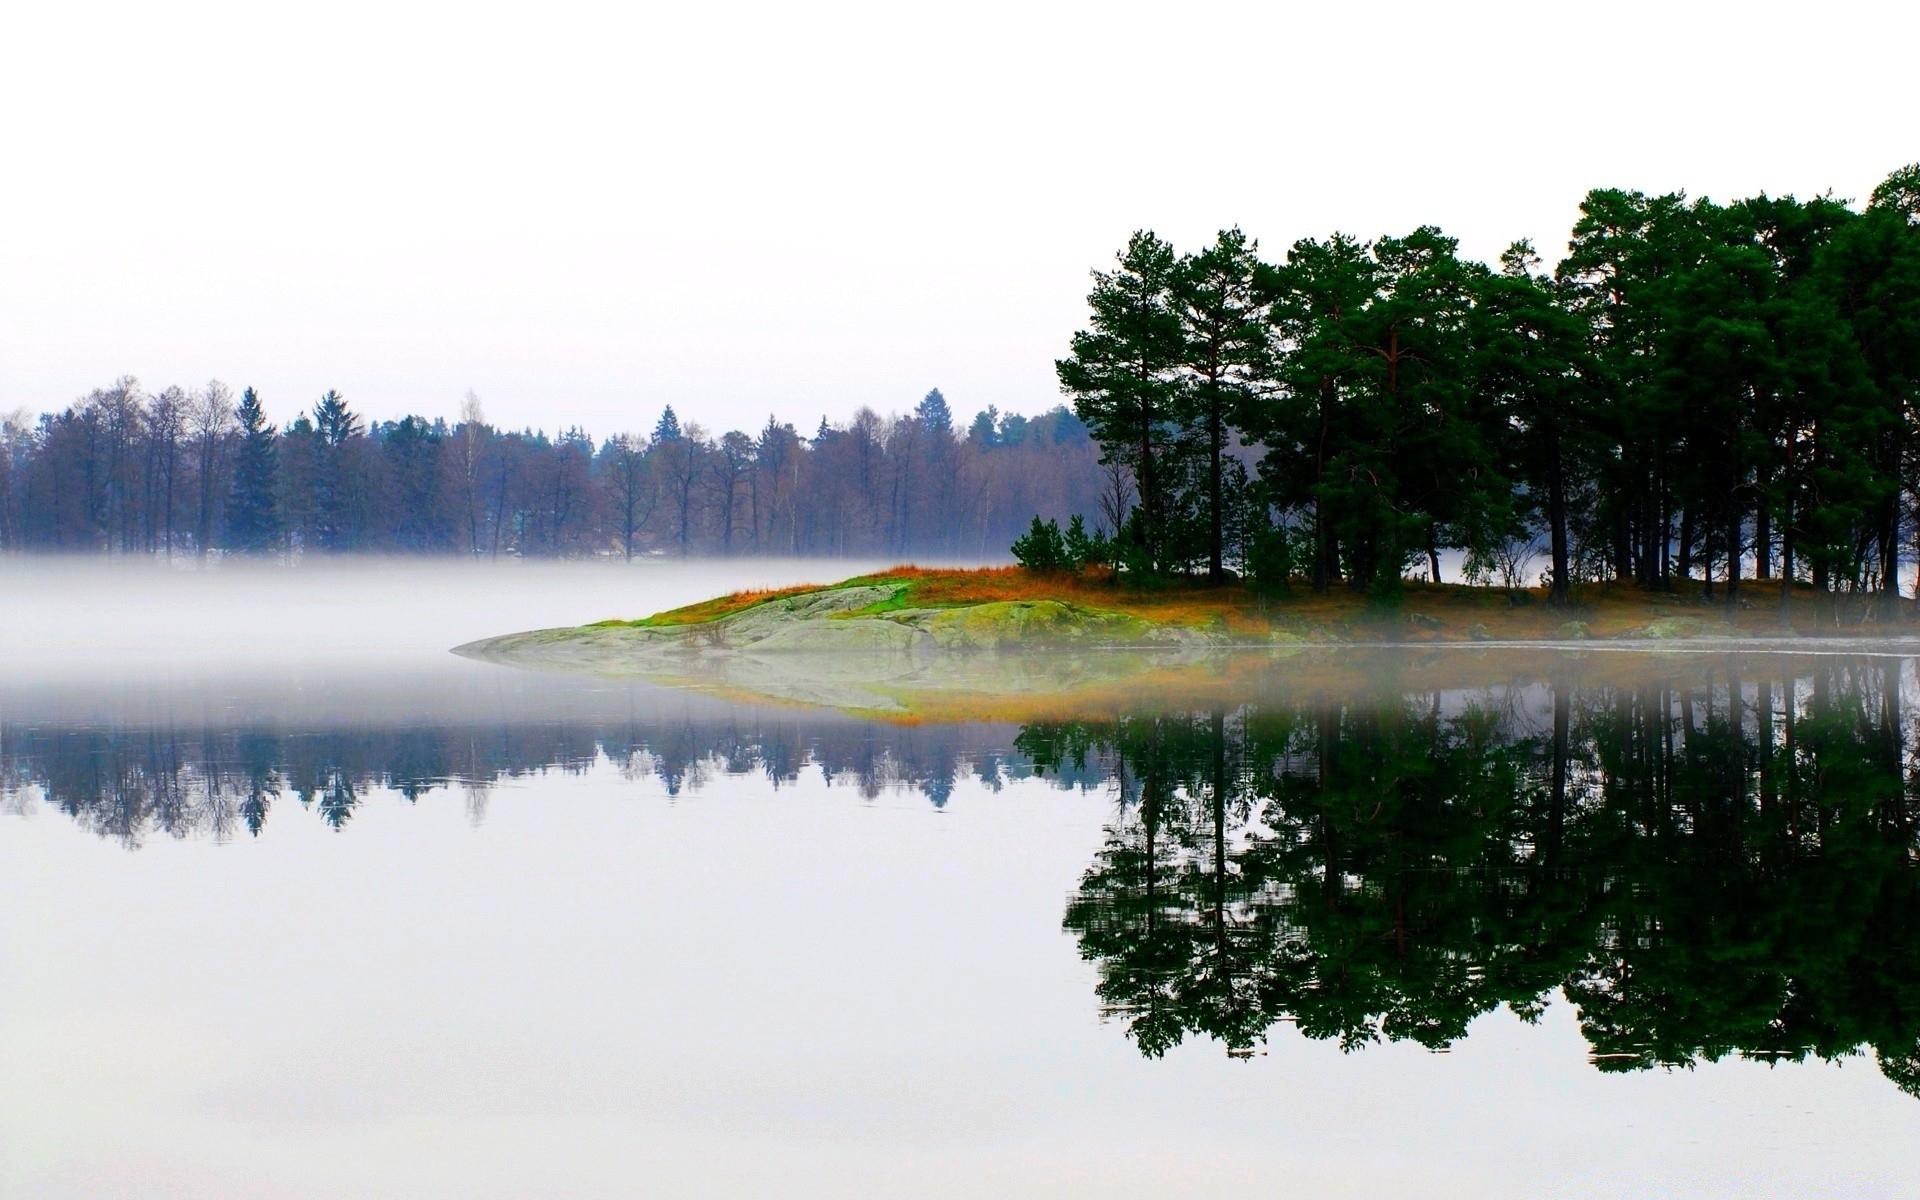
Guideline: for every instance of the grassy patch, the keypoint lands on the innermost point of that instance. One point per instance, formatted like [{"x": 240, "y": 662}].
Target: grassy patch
[
  {"x": 1162, "y": 602},
  {"x": 711, "y": 610},
  {"x": 1427, "y": 611}
]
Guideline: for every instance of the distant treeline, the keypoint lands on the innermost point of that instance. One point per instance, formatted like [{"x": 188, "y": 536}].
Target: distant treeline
[
  {"x": 187, "y": 472},
  {"x": 1695, "y": 390}
]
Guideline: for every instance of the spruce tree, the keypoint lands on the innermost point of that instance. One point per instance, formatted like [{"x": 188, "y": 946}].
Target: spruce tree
[
  {"x": 334, "y": 496},
  {"x": 253, "y": 519},
  {"x": 933, "y": 413}
]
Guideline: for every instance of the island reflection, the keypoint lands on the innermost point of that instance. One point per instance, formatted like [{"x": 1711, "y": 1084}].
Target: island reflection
[{"x": 1709, "y": 856}]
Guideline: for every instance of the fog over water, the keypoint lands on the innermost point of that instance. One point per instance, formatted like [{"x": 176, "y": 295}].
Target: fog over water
[
  {"x": 297, "y": 905},
  {"x": 74, "y": 618}
]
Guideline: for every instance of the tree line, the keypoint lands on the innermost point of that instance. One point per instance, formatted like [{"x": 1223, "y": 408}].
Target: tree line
[
  {"x": 189, "y": 472},
  {"x": 1696, "y": 391}
]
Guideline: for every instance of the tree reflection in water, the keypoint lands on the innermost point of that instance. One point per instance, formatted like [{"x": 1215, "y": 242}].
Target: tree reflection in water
[
  {"x": 1717, "y": 859},
  {"x": 134, "y": 780},
  {"x": 1720, "y": 866}
]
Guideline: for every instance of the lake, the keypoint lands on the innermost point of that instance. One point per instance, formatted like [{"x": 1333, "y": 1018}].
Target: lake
[{"x": 299, "y": 905}]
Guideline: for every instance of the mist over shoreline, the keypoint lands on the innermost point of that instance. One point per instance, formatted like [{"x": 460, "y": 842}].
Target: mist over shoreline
[{"x": 83, "y": 617}]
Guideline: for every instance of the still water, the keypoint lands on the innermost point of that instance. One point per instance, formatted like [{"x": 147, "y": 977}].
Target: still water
[{"x": 354, "y": 921}]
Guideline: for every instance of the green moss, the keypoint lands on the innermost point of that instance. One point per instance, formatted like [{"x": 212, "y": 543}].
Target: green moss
[{"x": 1032, "y": 622}]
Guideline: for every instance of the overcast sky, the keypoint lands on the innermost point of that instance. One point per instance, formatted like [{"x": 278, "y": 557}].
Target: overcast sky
[{"x": 586, "y": 212}]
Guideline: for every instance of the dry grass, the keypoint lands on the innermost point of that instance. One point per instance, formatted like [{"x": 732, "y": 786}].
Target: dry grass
[
  {"x": 1428, "y": 612},
  {"x": 718, "y": 607},
  {"x": 1168, "y": 603}
]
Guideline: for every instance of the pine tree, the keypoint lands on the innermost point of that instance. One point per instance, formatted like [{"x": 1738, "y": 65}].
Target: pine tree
[
  {"x": 1225, "y": 360},
  {"x": 1318, "y": 295},
  {"x": 933, "y": 414},
  {"x": 335, "y": 427},
  {"x": 1121, "y": 375},
  {"x": 1534, "y": 374},
  {"x": 253, "y": 519}
]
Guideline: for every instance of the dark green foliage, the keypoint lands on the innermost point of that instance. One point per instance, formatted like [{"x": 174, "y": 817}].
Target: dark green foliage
[
  {"x": 1041, "y": 548},
  {"x": 1225, "y": 370},
  {"x": 334, "y": 446},
  {"x": 1045, "y": 548},
  {"x": 933, "y": 413},
  {"x": 1698, "y": 392},
  {"x": 1080, "y": 549},
  {"x": 1121, "y": 376},
  {"x": 1273, "y": 558},
  {"x": 253, "y": 523}
]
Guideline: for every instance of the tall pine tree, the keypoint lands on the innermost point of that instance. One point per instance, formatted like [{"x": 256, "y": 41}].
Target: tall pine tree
[
  {"x": 1120, "y": 374},
  {"x": 253, "y": 518}
]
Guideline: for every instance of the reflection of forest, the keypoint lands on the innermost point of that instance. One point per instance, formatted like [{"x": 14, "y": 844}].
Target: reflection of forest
[
  {"x": 131, "y": 781},
  {"x": 1721, "y": 858},
  {"x": 1707, "y": 865}
]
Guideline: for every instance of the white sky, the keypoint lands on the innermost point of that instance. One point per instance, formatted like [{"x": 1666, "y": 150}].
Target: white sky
[{"x": 585, "y": 212}]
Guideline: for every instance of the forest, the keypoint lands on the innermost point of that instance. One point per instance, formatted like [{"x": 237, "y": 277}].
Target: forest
[
  {"x": 1696, "y": 396},
  {"x": 1697, "y": 392},
  {"x": 189, "y": 472}
]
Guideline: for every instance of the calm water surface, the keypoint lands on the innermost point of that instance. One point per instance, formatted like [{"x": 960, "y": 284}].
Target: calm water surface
[{"x": 366, "y": 920}]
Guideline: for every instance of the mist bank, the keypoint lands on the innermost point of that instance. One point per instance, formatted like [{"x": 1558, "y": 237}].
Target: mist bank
[{"x": 88, "y": 619}]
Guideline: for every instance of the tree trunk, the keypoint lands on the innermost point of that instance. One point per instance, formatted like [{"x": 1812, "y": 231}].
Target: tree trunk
[
  {"x": 1322, "y": 535},
  {"x": 1321, "y": 549},
  {"x": 1733, "y": 560},
  {"x": 1216, "y": 503},
  {"x": 1557, "y": 526},
  {"x": 1890, "y": 548}
]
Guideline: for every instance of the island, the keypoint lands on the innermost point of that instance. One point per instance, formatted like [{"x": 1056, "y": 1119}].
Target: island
[{"x": 920, "y": 640}]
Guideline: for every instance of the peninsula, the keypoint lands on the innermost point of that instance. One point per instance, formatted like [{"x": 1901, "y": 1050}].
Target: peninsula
[{"x": 912, "y": 610}]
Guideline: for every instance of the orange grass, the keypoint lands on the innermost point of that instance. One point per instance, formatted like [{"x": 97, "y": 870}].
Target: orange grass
[
  {"x": 714, "y": 609},
  {"x": 1607, "y": 610},
  {"x": 1172, "y": 603}
]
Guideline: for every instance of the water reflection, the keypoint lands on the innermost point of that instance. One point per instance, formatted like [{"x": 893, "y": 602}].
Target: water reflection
[
  {"x": 1708, "y": 856},
  {"x": 211, "y": 763},
  {"x": 1709, "y": 864}
]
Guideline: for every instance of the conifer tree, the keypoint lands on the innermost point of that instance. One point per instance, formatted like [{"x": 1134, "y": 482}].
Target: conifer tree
[
  {"x": 253, "y": 522},
  {"x": 1225, "y": 366},
  {"x": 1535, "y": 376},
  {"x": 1120, "y": 374}
]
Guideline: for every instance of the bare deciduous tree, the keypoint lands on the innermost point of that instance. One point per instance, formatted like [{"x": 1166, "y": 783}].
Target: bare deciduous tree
[
  {"x": 210, "y": 421},
  {"x": 632, "y": 487}
]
